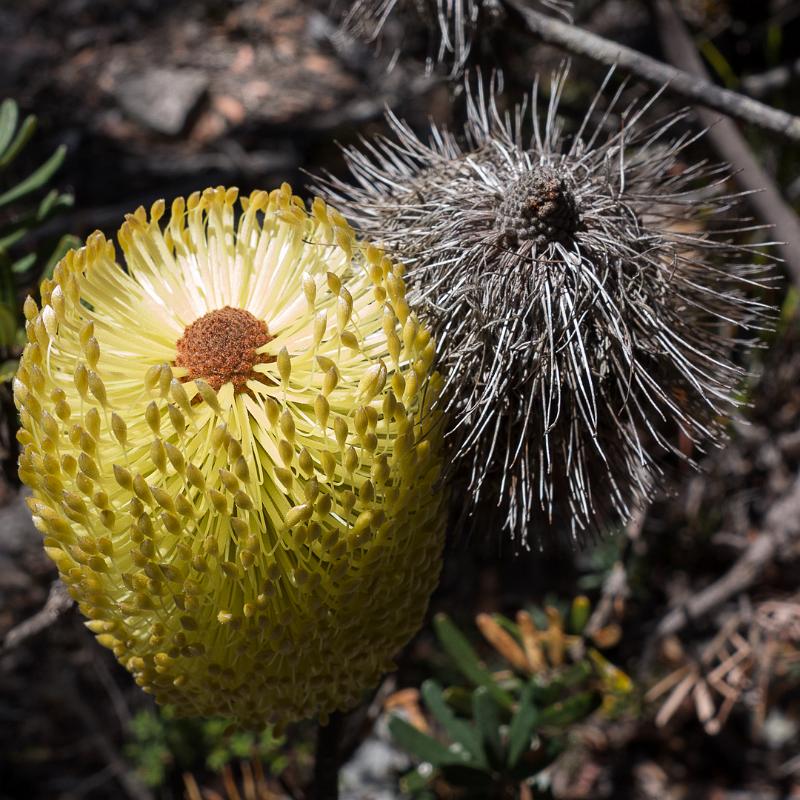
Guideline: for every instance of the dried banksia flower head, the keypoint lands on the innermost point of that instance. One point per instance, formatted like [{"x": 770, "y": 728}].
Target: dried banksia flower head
[
  {"x": 232, "y": 454},
  {"x": 585, "y": 295},
  {"x": 452, "y": 25}
]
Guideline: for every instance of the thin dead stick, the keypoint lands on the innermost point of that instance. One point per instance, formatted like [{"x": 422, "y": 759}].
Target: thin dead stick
[
  {"x": 576, "y": 40},
  {"x": 58, "y": 603},
  {"x": 764, "y": 197},
  {"x": 771, "y": 80},
  {"x": 781, "y": 526},
  {"x": 326, "y": 763}
]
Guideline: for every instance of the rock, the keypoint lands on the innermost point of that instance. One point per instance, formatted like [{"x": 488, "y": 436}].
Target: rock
[{"x": 162, "y": 99}]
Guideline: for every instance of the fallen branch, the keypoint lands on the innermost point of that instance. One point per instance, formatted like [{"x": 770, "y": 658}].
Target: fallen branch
[
  {"x": 582, "y": 42},
  {"x": 58, "y": 603},
  {"x": 771, "y": 80},
  {"x": 781, "y": 527}
]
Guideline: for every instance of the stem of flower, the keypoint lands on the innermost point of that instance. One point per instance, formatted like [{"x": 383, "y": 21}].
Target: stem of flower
[{"x": 326, "y": 763}]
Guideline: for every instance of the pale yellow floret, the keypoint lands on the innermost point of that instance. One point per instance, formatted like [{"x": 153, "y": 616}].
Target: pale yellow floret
[{"x": 258, "y": 554}]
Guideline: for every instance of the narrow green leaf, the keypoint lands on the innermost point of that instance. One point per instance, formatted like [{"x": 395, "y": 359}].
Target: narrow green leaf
[
  {"x": 8, "y": 369},
  {"x": 16, "y": 232},
  {"x": 487, "y": 719},
  {"x": 23, "y": 264},
  {"x": 36, "y": 179},
  {"x": 522, "y": 726},
  {"x": 65, "y": 243},
  {"x": 575, "y": 674},
  {"x": 20, "y": 140},
  {"x": 8, "y": 291},
  {"x": 466, "y": 659},
  {"x": 9, "y": 113},
  {"x": 416, "y": 781},
  {"x": 533, "y": 761},
  {"x": 15, "y": 228},
  {"x": 459, "y": 699},
  {"x": 579, "y": 614},
  {"x": 421, "y": 745},
  {"x": 8, "y": 326},
  {"x": 570, "y": 710},
  {"x": 545, "y": 693},
  {"x": 458, "y": 730},
  {"x": 52, "y": 202},
  {"x": 507, "y": 624},
  {"x": 476, "y": 781}
]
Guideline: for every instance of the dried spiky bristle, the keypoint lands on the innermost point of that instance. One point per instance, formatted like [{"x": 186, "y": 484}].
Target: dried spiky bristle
[
  {"x": 455, "y": 23},
  {"x": 585, "y": 295},
  {"x": 233, "y": 459}
]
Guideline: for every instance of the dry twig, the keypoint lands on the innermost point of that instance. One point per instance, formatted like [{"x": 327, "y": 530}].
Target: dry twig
[
  {"x": 58, "y": 603},
  {"x": 763, "y": 196},
  {"x": 771, "y": 80},
  {"x": 581, "y": 42},
  {"x": 782, "y": 525}
]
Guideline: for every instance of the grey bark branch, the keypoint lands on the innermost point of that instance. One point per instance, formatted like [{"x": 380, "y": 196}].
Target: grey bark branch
[
  {"x": 765, "y": 199},
  {"x": 58, "y": 603},
  {"x": 582, "y": 42},
  {"x": 771, "y": 80}
]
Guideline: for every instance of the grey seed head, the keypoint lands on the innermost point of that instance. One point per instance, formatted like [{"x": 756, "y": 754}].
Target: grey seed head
[
  {"x": 593, "y": 298},
  {"x": 454, "y": 24}
]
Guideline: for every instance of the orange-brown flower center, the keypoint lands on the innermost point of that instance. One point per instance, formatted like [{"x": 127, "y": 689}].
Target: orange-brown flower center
[{"x": 221, "y": 347}]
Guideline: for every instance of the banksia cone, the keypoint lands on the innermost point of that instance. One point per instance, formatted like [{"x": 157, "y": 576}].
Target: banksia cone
[
  {"x": 452, "y": 25},
  {"x": 584, "y": 294},
  {"x": 455, "y": 22},
  {"x": 232, "y": 454}
]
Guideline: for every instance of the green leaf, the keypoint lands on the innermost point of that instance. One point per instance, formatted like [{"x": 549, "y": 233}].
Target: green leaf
[
  {"x": 65, "y": 243},
  {"x": 477, "y": 781},
  {"x": 9, "y": 113},
  {"x": 559, "y": 686},
  {"x": 488, "y": 723},
  {"x": 522, "y": 726},
  {"x": 8, "y": 326},
  {"x": 416, "y": 781},
  {"x": 20, "y": 140},
  {"x": 36, "y": 179},
  {"x": 459, "y": 699},
  {"x": 423, "y": 746},
  {"x": 570, "y": 710},
  {"x": 533, "y": 761},
  {"x": 579, "y": 614},
  {"x": 23, "y": 264},
  {"x": 8, "y": 291},
  {"x": 507, "y": 624},
  {"x": 719, "y": 63},
  {"x": 16, "y": 231},
  {"x": 466, "y": 659},
  {"x": 8, "y": 369},
  {"x": 458, "y": 730}
]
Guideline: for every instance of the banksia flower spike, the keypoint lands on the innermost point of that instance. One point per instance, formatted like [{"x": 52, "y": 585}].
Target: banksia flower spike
[
  {"x": 233, "y": 458},
  {"x": 584, "y": 293}
]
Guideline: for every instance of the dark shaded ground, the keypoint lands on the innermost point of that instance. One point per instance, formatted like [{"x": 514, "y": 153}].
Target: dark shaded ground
[{"x": 159, "y": 99}]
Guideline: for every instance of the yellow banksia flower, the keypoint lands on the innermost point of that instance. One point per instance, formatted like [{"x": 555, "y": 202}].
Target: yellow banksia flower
[{"x": 233, "y": 453}]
